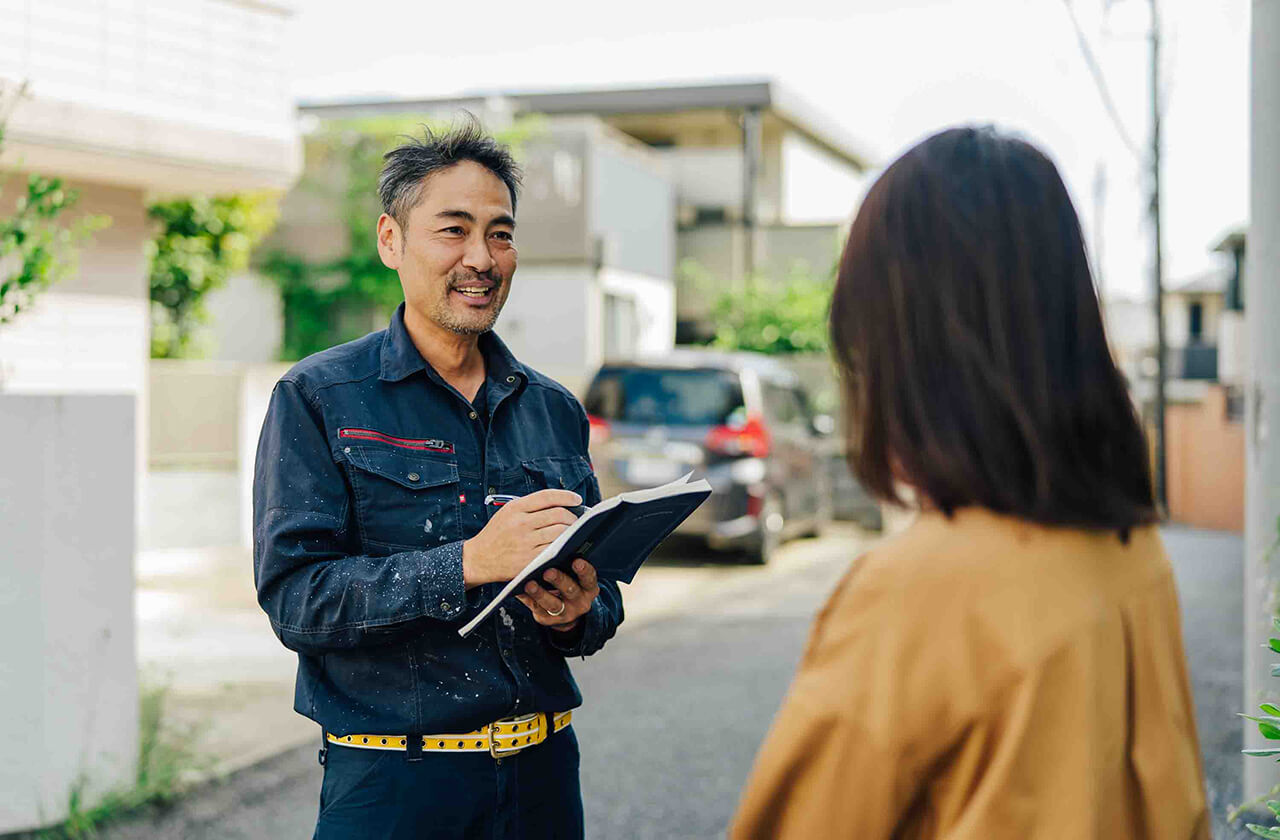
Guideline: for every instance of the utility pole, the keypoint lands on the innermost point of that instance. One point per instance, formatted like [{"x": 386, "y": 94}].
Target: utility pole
[
  {"x": 1262, "y": 382},
  {"x": 1157, "y": 263},
  {"x": 1150, "y": 159},
  {"x": 752, "y": 144}
]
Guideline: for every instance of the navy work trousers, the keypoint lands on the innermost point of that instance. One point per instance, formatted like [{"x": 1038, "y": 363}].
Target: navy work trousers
[{"x": 533, "y": 795}]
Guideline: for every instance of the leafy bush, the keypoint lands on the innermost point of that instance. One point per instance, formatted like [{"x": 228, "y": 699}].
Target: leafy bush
[
  {"x": 202, "y": 241},
  {"x": 776, "y": 317},
  {"x": 36, "y": 249},
  {"x": 1269, "y": 725}
]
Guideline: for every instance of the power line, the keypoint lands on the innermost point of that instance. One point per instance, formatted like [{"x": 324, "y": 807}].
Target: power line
[{"x": 1100, "y": 81}]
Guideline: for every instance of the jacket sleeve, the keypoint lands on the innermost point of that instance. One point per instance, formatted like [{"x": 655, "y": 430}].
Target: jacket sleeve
[
  {"x": 318, "y": 595},
  {"x": 606, "y": 613}
]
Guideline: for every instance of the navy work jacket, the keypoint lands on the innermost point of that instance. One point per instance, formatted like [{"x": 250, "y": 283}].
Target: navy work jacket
[{"x": 371, "y": 471}]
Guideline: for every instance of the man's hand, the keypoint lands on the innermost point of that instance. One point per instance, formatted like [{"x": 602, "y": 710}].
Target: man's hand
[
  {"x": 515, "y": 535},
  {"x": 567, "y": 601}
]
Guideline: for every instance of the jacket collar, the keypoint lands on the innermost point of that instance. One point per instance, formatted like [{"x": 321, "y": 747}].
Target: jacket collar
[{"x": 401, "y": 359}]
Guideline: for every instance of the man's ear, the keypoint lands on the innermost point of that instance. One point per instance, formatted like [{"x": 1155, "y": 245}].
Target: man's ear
[{"x": 390, "y": 242}]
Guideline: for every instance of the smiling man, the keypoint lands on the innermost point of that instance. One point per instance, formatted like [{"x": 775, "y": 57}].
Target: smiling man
[{"x": 375, "y": 540}]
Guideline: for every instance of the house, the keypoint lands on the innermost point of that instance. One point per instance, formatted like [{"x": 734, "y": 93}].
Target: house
[
  {"x": 125, "y": 103},
  {"x": 1205, "y": 357},
  {"x": 726, "y": 149}
]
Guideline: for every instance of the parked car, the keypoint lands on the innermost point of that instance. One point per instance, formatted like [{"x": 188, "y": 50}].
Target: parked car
[{"x": 740, "y": 420}]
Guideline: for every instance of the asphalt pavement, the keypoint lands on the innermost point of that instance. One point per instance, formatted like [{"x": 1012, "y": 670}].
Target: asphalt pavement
[{"x": 677, "y": 705}]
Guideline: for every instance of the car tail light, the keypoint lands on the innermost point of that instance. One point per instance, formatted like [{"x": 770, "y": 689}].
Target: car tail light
[
  {"x": 751, "y": 438},
  {"x": 755, "y": 504},
  {"x": 599, "y": 429}
]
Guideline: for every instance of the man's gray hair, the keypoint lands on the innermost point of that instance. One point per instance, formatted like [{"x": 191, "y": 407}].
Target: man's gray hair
[{"x": 406, "y": 167}]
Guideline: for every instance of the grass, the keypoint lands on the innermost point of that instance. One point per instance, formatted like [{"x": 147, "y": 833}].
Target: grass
[{"x": 166, "y": 764}]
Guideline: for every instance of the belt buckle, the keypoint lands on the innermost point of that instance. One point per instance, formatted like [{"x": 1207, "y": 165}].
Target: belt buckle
[{"x": 493, "y": 741}]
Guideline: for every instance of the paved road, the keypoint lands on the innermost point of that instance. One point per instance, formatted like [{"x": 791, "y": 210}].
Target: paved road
[
  {"x": 678, "y": 705},
  {"x": 1209, "y": 568}
]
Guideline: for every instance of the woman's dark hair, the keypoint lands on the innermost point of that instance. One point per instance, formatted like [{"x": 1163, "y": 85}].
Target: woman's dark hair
[{"x": 974, "y": 362}]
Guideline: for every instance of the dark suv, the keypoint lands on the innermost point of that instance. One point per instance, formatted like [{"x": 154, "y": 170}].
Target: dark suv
[{"x": 741, "y": 420}]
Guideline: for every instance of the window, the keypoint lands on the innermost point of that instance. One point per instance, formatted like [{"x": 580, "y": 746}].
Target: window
[
  {"x": 1196, "y": 326},
  {"x": 621, "y": 327},
  {"x": 664, "y": 396}
]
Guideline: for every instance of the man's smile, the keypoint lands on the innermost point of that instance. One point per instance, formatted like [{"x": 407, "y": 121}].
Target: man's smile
[{"x": 476, "y": 292}]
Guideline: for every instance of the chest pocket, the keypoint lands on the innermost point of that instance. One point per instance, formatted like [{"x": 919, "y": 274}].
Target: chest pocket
[
  {"x": 405, "y": 500},
  {"x": 571, "y": 472}
]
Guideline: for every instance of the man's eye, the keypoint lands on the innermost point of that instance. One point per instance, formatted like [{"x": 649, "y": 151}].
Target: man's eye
[
  {"x": 453, "y": 229},
  {"x": 505, "y": 236}
]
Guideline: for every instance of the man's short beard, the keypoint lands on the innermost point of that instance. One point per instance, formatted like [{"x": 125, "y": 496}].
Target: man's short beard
[{"x": 444, "y": 314}]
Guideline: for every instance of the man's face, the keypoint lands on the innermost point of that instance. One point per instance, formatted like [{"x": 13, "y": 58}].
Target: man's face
[{"x": 456, "y": 252}]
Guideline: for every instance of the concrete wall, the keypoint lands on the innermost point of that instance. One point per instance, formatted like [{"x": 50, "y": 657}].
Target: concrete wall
[
  {"x": 246, "y": 320},
  {"x": 91, "y": 332},
  {"x": 1262, "y": 382},
  {"x": 708, "y": 176},
  {"x": 1205, "y": 461},
  {"x": 553, "y": 206},
  {"x": 547, "y": 318},
  {"x": 632, "y": 210},
  {"x": 195, "y": 414},
  {"x": 68, "y": 684},
  {"x": 654, "y": 299}
]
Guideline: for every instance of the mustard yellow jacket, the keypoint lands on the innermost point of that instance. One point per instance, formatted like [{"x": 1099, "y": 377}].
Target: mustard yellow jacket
[{"x": 982, "y": 678}]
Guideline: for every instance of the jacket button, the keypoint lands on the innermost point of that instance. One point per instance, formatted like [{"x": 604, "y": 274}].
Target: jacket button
[
  {"x": 446, "y": 606},
  {"x": 492, "y": 491},
  {"x": 511, "y": 379},
  {"x": 413, "y": 476},
  {"x": 473, "y": 415}
]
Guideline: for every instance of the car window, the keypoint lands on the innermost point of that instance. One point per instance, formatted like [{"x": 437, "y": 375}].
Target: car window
[{"x": 665, "y": 396}]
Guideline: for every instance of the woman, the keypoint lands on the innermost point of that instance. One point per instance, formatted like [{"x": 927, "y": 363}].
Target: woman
[{"x": 1011, "y": 666}]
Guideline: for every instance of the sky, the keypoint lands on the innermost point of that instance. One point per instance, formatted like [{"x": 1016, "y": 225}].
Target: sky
[{"x": 890, "y": 72}]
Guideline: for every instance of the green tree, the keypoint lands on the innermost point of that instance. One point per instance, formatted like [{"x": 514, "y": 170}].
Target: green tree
[
  {"x": 327, "y": 302},
  {"x": 202, "y": 241},
  {"x": 37, "y": 246},
  {"x": 775, "y": 317}
]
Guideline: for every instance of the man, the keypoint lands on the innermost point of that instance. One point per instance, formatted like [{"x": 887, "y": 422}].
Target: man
[{"x": 374, "y": 541}]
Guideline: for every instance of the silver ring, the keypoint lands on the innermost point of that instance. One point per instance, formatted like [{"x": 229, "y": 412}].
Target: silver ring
[{"x": 557, "y": 612}]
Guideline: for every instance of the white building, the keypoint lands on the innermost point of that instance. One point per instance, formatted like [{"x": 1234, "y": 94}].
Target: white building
[{"x": 128, "y": 100}]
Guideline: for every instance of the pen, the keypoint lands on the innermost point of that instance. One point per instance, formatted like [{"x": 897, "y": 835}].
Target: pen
[{"x": 500, "y": 499}]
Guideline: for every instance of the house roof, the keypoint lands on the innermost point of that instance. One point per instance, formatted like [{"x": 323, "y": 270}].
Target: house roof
[
  {"x": 1233, "y": 240},
  {"x": 1213, "y": 281},
  {"x": 765, "y": 94}
]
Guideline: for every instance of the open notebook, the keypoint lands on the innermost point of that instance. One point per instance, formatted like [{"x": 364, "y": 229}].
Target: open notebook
[{"x": 615, "y": 536}]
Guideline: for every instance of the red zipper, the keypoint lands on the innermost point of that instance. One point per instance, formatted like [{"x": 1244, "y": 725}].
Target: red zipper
[{"x": 403, "y": 443}]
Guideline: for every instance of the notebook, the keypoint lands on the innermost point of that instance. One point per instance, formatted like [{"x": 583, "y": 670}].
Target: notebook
[{"x": 615, "y": 536}]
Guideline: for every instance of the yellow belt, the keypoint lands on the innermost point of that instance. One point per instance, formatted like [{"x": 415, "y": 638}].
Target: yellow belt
[{"x": 500, "y": 738}]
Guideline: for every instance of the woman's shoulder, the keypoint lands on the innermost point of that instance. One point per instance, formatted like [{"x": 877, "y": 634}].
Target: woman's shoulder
[
  {"x": 984, "y": 580},
  {"x": 978, "y": 550}
]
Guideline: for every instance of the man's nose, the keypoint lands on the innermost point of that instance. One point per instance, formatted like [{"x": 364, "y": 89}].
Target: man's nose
[{"x": 477, "y": 256}]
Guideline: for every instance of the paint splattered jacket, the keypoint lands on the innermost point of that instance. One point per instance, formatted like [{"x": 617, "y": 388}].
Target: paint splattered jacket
[{"x": 371, "y": 471}]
